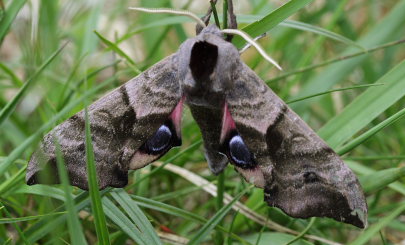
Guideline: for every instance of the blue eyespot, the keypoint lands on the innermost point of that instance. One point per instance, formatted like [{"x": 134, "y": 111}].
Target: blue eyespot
[
  {"x": 159, "y": 141},
  {"x": 240, "y": 154}
]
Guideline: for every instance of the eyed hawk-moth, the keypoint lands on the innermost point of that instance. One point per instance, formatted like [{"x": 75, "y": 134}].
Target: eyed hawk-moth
[{"x": 242, "y": 121}]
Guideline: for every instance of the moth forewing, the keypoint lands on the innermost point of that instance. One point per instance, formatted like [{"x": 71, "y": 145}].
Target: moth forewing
[{"x": 121, "y": 123}]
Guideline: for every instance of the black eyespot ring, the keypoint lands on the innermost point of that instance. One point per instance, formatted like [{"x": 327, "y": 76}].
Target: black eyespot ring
[
  {"x": 239, "y": 153},
  {"x": 163, "y": 139},
  {"x": 160, "y": 140}
]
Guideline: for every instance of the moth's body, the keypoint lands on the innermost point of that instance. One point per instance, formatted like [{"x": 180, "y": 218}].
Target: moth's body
[{"x": 242, "y": 122}]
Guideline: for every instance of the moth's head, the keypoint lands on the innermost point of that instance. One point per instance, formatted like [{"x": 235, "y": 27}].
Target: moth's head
[{"x": 207, "y": 61}]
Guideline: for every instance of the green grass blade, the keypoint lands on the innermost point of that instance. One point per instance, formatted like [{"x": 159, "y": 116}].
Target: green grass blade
[
  {"x": 43, "y": 190},
  {"x": 384, "y": 177},
  {"x": 74, "y": 226},
  {"x": 320, "y": 31},
  {"x": 19, "y": 231},
  {"x": 123, "y": 222},
  {"x": 333, "y": 60},
  {"x": 136, "y": 215},
  {"x": 8, "y": 16},
  {"x": 119, "y": 51},
  {"x": 65, "y": 100},
  {"x": 165, "y": 208},
  {"x": 374, "y": 229},
  {"x": 96, "y": 206},
  {"x": 271, "y": 20},
  {"x": 302, "y": 233},
  {"x": 9, "y": 108},
  {"x": 27, "y": 218},
  {"x": 331, "y": 91},
  {"x": 380, "y": 33},
  {"x": 46, "y": 225},
  {"x": 363, "y": 170},
  {"x": 359, "y": 140},
  {"x": 88, "y": 42},
  {"x": 17, "y": 82},
  {"x": 30, "y": 140},
  {"x": 210, "y": 225},
  {"x": 11, "y": 182},
  {"x": 365, "y": 107}
]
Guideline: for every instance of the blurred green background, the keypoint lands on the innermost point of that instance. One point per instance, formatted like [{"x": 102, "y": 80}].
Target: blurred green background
[{"x": 343, "y": 73}]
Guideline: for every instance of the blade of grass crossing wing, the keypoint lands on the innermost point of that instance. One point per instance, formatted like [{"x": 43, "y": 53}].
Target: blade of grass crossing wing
[
  {"x": 9, "y": 15},
  {"x": 13, "y": 156},
  {"x": 74, "y": 226},
  {"x": 210, "y": 225},
  {"x": 136, "y": 215},
  {"x": 9, "y": 108},
  {"x": 365, "y": 107},
  {"x": 97, "y": 208},
  {"x": 271, "y": 20},
  {"x": 374, "y": 229},
  {"x": 123, "y": 222}
]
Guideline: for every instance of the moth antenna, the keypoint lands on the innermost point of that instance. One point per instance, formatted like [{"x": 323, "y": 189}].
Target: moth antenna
[
  {"x": 242, "y": 50},
  {"x": 170, "y": 11},
  {"x": 250, "y": 40}
]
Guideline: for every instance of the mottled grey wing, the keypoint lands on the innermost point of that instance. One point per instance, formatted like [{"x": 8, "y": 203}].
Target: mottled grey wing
[
  {"x": 299, "y": 172},
  {"x": 130, "y": 127}
]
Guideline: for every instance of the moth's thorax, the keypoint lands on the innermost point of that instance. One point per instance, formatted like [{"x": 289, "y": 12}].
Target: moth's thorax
[{"x": 206, "y": 64}]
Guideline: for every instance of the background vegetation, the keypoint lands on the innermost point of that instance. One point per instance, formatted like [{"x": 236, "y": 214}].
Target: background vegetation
[{"x": 357, "y": 110}]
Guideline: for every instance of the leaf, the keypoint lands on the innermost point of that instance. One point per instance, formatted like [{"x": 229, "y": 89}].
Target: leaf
[
  {"x": 27, "y": 218},
  {"x": 320, "y": 31},
  {"x": 123, "y": 222},
  {"x": 271, "y": 20},
  {"x": 360, "y": 139},
  {"x": 365, "y": 107},
  {"x": 96, "y": 206},
  {"x": 136, "y": 214},
  {"x": 384, "y": 177},
  {"x": 385, "y": 30},
  {"x": 358, "y": 168},
  {"x": 47, "y": 225},
  {"x": 119, "y": 51},
  {"x": 9, "y": 108},
  {"x": 8, "y": 16},
  {"x": 209, "y": 226},
  {"x": 74, "y": 226},
  {"x": 276, "y": 238}
]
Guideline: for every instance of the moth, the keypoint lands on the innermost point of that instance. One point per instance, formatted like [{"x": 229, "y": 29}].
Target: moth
[{"x": 242, "y": 122}]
